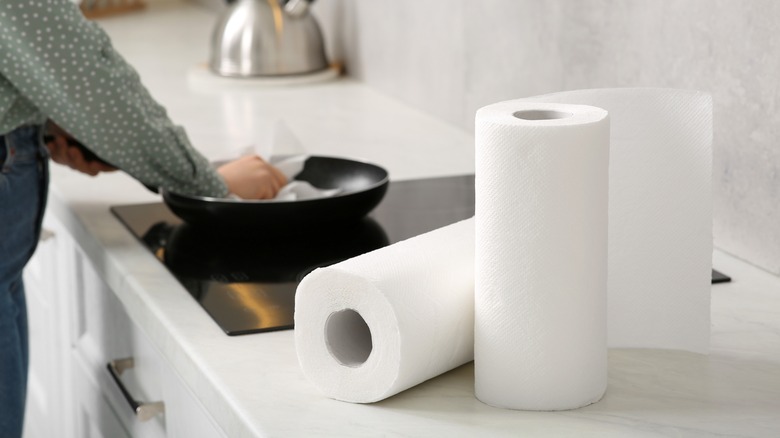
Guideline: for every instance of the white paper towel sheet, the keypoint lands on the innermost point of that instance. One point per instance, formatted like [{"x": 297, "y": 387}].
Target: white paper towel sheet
[
  {"x": 286, "y": 153},
  {"x": 541, "y": 255},
  {"x": 374, "y": 325},
  {"x": 660, "y": 215}
]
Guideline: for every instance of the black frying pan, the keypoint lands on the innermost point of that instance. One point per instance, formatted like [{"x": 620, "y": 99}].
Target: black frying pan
[{"x": 363, "y": 184}]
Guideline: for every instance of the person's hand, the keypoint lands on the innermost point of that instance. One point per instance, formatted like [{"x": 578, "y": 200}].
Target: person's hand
[
  {"x": 250, "y": 177},
  {"x": 63, "y": 151}
]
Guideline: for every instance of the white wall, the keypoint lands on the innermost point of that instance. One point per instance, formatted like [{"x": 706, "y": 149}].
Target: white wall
[{"x": 449, "y": 57}]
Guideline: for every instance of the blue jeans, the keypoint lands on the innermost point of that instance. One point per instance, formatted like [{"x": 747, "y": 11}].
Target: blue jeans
[{"x": 23, "y": 186}]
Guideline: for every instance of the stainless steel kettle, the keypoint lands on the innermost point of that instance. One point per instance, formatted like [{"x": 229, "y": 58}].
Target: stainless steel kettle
[{"x": 267, "y": 38}]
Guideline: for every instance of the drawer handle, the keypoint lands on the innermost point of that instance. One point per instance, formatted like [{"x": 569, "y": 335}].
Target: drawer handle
[
  {"x": 45, "y": 235},
  {"x": 142, "y": 411}
]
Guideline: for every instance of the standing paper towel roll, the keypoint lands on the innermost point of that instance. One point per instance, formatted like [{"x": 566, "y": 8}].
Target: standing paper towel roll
[
  {"x": 374, "y": 325},
  {"x": 541, "y": 255}
]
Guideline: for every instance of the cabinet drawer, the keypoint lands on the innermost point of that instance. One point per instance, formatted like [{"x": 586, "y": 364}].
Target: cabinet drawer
[{"x": 103, "y": 333}]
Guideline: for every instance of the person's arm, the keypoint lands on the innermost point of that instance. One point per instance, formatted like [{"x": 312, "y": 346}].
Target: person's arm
[
  {"x": 63, "y": 150},
  {"x": 67, "y": 67}
]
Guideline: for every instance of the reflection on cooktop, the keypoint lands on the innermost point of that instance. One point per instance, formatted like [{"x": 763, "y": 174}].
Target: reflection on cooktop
[{"x": 247, "y": 283}]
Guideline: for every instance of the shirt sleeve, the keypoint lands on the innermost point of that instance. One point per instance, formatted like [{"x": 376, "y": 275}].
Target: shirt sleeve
[{"x": 66, "y": 66}]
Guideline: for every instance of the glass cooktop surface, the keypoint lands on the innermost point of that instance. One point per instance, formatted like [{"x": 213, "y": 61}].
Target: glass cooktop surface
[{"x": 247, "y": 283}]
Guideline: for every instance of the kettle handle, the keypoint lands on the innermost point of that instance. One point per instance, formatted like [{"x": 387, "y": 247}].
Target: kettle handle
[
  {"x": 296, "y": 8},
  {"x": 284, "y": 3}
]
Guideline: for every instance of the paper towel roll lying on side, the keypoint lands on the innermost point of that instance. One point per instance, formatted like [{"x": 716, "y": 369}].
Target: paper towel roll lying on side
[
  {"x": 374, "y": 325},
  {"x": 541, "y": 255}
]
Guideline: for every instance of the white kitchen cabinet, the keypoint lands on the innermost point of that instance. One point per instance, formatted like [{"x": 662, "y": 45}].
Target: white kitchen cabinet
[
  {"x": 102, "y": 332},
  {"x": 77, "y": 326},
  {"x": 47, "y": 280}
]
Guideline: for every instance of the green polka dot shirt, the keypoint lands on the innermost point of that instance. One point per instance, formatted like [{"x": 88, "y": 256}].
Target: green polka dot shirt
[{"x": 55, "y": 64}]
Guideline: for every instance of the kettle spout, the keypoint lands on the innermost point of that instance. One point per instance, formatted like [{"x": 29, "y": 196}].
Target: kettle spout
[{"x": 297, "y": 8}]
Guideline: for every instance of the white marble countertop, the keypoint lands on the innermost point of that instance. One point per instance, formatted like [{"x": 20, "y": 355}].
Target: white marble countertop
[{"x": 252, "y": 385}]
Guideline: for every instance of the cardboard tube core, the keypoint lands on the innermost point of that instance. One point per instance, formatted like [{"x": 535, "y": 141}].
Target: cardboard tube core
[{"x": 348, "y": 337}]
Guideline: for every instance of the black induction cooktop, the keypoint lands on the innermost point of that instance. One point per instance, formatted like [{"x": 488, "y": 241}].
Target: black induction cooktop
[{"x": 246, "y": 282}]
